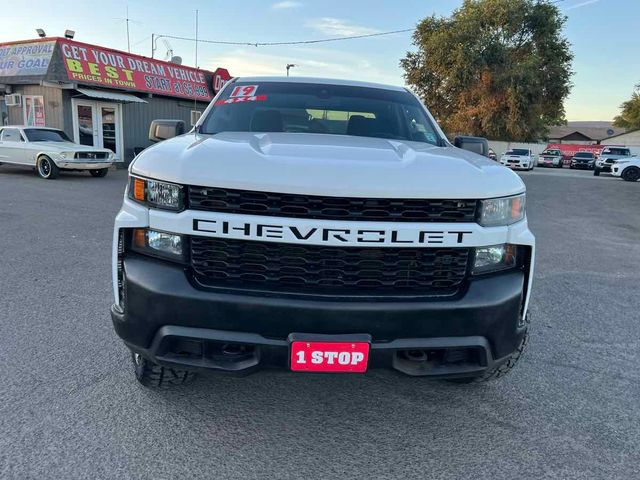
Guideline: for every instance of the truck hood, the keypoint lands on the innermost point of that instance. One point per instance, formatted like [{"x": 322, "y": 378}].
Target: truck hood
[{"x": 321, "y": 164}]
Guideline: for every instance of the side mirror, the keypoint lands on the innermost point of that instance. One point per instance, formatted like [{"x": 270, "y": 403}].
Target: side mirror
[
  {"x": 164, "y": 129},
  {"x": 477, "y": 145}
]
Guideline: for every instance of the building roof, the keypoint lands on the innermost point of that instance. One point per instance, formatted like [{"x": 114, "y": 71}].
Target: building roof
[
  {"x": 595, "y": 131},
  {"x": 624, "y": 133}
]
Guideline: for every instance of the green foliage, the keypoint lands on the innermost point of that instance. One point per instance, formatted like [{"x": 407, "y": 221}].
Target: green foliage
[
  {"x": 629, "y": 118},
  {"x": 496, "y": 68}
]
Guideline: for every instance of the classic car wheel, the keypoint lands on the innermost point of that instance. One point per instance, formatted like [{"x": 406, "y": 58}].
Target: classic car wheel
[
  {"x": 100, "y": 172},
  {"x": 46, "y": 168}
]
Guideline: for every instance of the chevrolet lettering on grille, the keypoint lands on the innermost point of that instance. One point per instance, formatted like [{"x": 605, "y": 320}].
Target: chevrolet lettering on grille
[{"x": 334, "y": 236}]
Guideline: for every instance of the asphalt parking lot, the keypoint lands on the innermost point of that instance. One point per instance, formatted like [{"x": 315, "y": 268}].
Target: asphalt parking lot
[{"x": 70, "y": 407}]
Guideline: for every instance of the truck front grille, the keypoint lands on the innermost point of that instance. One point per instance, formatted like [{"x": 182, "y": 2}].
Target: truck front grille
[
  {"x": 319, "y": 269},
  {"x": 330, "y": 208}
]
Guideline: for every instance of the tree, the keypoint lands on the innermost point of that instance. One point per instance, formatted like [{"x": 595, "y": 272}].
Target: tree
[
  {"x": 496, "y": 68},
  {"x": 629, "y": 118}
]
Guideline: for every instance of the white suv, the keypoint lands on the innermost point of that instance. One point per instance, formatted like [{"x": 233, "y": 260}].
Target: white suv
[{"x": 628, "y": 169}]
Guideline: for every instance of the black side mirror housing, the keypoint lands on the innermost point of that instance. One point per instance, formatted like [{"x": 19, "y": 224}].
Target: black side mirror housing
[
  {"x": 160, "y": 130},
  {"x": 477, "y": 145}
]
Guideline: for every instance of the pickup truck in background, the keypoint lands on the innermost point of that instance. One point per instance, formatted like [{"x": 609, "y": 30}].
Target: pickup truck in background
[{"x": 609, "y": 156}]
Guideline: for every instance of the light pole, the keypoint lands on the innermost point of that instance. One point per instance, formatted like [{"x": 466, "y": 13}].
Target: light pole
[{"x": 289, "y": 67}]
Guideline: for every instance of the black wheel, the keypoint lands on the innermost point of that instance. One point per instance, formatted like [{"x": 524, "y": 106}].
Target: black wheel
[
  {"x": 46, "y": 168},
  {"x": 560, "y": 164},
  {"x": 504, "y": 368},
  {"x": 100, "y": 172},
  {"x": 631, "y": 174},
  {"x": 153, "y": 375},
  {"x": 596, "y": 172}
]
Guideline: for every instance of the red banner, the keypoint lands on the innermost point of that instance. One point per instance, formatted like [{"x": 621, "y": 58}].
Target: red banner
[
  {"x": 568, "y": 150},
  {"x": 110, "y": 68}
]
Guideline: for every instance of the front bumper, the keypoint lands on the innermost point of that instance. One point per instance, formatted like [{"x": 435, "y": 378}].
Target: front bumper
[
  {"x": 82, "y": 165},
  {"x": 169, "y": 321},
  {"x": 586, "y": 166}
]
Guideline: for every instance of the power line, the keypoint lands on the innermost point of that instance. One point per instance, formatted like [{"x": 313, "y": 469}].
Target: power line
[{"x": 300, "y": 42}]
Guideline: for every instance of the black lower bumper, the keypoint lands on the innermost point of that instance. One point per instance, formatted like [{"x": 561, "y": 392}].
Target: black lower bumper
[{"x": 170, "y": 321}]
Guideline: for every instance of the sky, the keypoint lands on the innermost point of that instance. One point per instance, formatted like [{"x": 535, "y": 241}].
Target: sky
[{"x": 605, "y": 37}]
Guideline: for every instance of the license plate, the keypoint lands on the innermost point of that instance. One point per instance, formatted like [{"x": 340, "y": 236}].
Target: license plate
[{"x": 329, "y": 356}]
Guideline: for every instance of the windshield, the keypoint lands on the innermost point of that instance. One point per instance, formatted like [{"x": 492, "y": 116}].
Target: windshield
[
  {"x": 44, "y": 135},
  {"x": 552, "y": 152},
  {"x": 518, "y": 151},
  {"x": 584, "y": 155},
  {"x": 322, "y": 109}
]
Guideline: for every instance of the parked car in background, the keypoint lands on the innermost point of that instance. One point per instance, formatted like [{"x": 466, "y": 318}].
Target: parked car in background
[
  {"x": 49, "y": 150},
  {"x": 492, "y": 155},
  {"x": 583, "y": 160},
  {"x": 628, "y": 169},
  {"x": 518, "y": 159},
  {"x": 608, "y": 156},
  {"x": 551, "y": 157}
]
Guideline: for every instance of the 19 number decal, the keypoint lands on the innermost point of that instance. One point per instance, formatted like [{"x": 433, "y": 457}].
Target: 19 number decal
[{"x": 244, "y": 91}]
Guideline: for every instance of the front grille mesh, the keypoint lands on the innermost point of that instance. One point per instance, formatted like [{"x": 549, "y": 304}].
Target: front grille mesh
[
  {"x": 330, "y": 208},
  {"x": 318, "y": 269}
]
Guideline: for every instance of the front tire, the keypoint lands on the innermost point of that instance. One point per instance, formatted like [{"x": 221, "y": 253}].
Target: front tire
[
  {"x": 99, "y": 173},
  {"x": 46, "y": 168},
  {"x": 501, "y": 370},
  {"x": 631, "y": 174},
  {"x": 152, "y": 375}
]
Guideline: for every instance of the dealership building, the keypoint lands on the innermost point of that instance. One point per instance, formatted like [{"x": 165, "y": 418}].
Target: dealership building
[{"x": 99, "y": 96}]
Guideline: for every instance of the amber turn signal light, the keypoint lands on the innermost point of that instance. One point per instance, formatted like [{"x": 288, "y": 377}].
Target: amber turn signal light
[
  {"x": 139, "y": 237},
  {"x": 138, "y": 189}
]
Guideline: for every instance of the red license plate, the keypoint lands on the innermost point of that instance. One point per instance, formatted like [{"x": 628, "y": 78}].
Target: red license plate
[{"x": 329, "y": 356}]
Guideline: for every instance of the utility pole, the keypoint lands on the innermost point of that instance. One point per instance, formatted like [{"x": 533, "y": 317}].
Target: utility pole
[{"x": 128, "y": 41}]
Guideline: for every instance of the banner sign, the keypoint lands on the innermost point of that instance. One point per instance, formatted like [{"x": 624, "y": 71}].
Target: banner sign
[
  {"x": 110, "y": 68},
  {"x": 568, "y": 150},
  {"x": 25, "y": 59},
  {"x": 34, "y": 110}
]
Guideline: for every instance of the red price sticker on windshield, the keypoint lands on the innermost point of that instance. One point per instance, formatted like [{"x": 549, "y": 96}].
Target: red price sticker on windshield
[{"x": 244, "y": 91}]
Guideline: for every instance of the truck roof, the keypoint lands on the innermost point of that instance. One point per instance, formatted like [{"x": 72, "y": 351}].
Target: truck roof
[{"x": 325, "y": 81}]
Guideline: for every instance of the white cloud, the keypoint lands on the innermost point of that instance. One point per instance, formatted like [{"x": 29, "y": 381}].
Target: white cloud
[
  {"x": 339, "y": 27},
  {"x": 249, "y": 61},
  {"x": 286, "y": 4},
  {"x": 581, "y": 4}
]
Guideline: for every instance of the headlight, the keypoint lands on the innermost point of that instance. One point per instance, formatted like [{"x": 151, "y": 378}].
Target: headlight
[
  {"x": 63, "y": 155},
  {"x": 156, "y": 194},
  {"x": 159, "y": 244},
  {"x": 494, "y": 258},
  {"x": 501, "y": 211}
]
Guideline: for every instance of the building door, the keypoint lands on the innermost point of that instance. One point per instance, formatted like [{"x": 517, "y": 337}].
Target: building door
[{"x": 98, "y": 124}]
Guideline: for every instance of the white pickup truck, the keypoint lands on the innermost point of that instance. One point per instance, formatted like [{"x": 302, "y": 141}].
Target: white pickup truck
[{"x": 320, "y": 226}]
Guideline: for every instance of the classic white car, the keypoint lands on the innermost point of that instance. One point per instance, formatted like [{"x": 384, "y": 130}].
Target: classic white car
[{"x": 49, "y": 150}]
